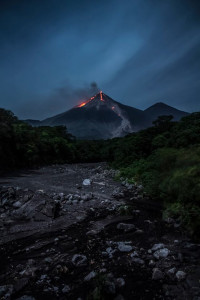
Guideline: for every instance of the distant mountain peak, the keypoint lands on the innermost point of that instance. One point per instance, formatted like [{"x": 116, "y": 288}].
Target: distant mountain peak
[
  {"x": 95, "y": 99},
  {"x": 101, "y": 117}
]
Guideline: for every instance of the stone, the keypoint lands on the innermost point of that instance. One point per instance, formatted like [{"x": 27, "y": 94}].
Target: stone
[
  {"x": 180, "y": 275},
  {"x": 125, "y": 227},
  {"x": 48, "y": 260},
  {"x": 151, "y": 263},
  {"x": 157, "y": 274},
  {"x": 5, "y": 289},
  {"x": 17, "y": 204},
  {"x": 86, "y": 182},
  {"x": 157, "y": 247},
  {"x": 162, "y": 253},
  {"x": 138, "y": 260},
  {"x": 120, "y": 282},
  {"x": 171, "y": 272},
  {"x": 66, "y": 289},
  {"x": 110, "y": 287},
  {"x": 25, "y": 297},
  {"x": 124, "y": 248},
  {"x": 134, "y": 254},
  {"x": 90, "y": 276},
  {"x": 79, "y": 260}
]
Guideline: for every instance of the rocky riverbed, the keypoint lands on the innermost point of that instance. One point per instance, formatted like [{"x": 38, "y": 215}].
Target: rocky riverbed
[{"x": 73, "y": 232}]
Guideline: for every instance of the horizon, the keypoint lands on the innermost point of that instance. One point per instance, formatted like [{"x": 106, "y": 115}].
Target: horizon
[{"x": 79, "y": 105}]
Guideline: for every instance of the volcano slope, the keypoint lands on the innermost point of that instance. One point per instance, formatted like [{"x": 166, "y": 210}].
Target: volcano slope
[{"x": 65, "y": 237}]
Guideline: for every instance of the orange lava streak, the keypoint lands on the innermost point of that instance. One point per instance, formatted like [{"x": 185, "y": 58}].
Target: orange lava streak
[
  {"x": 101, "y": 96},
  {"x": 82, "y": 104}
]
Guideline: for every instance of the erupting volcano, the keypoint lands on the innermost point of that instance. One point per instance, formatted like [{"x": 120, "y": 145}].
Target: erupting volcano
[
  {"x": 101, "y": 117},
  {"x": 98, "y": 96}
]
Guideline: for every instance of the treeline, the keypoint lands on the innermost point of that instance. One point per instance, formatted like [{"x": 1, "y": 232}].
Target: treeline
[{"x": 165, "y": 158}]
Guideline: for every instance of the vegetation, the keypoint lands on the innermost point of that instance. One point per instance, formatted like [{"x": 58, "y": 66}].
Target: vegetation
[{"x": 165, "y": 158}]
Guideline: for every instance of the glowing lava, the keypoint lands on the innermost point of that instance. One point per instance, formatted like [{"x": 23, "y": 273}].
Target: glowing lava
[
  {"x": 86, "y": 102},
  {"x": 82, "y": 104},
  {"x": 101, "y": 96}
]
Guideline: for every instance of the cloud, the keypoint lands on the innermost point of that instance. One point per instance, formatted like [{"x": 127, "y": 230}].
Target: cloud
[{"x": 58, "y": 101}]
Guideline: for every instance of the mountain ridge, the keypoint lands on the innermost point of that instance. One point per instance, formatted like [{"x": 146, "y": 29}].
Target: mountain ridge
[{"x": 101, "y": 117}]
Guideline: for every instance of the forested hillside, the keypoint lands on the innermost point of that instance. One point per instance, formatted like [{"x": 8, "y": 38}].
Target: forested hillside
[{"x": 165, "y": 158}]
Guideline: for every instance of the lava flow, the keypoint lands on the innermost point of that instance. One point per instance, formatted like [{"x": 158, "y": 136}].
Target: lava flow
[
  {"x": 85, "y": 102},
  {"x": 101, "y": 96}
]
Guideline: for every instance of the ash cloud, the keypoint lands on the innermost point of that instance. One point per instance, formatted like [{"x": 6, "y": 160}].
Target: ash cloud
[{"x": 61, "y": 99}]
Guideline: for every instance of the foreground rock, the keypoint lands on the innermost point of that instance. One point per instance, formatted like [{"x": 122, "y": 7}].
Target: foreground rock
[{"x": 61, "y": 239}]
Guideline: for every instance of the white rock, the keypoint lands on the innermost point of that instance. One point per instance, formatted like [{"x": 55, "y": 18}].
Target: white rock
[
  {"x": 162, "y": 253},
  {"x": 86, "y": 182}
]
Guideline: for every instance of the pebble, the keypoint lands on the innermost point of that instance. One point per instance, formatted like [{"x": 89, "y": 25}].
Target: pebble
[
  {"x": 180, "y": 275},
  {"x": 79, "y": 260},
  {"x": 157, "y": 274},
  {"x": 162, "y": 253},
  {"x": 157, "y": 247},
  {"x": 86, "y": 182},
  {"x": 125, "y": 227},
  {"x": 124, "y": 248},
  {"x": 90, "y": 276},
  {"x": 66, "y": 289}
]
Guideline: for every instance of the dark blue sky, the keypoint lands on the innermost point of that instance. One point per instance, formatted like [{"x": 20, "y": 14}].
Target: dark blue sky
[{"x": 138, "y": 52}]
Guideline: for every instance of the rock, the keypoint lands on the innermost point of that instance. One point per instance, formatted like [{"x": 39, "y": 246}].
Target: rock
[
  {"x": 92, "y": 232},
  {"x": 124, "y": 248},
  {"x": 125, "y": 227},
  {"x": 17, "y": 204},
  {"x": 138, "y": 260},
  {"x": 4, "y": 289},
  {"x": 171, "y": 272},
  {"x": 79, "y": 260},
  {"x": 162, "y": 253},
  {"x": 110, "y": 287},
  {"x": 25, "y": 297},
  {"x": 157, "y": 274},
  {"x": 138, "y": 232},
  {"x": 48, "y": 260},
  {"x": 157, "y": 247},
  {"x": 151, "y": 263},
  {"x": 66, "y": 289},
  {"x": 134, "y": 254},
  {"x": 120, "y": 282},
  {"x": 42, "y": 277},
  {"x": 20, "y": 284},
  {"x": 180, "y": 275},
  {"x": 90, "y": 276},
  {"x": 74, "y": 202},
  {"x": 86, "y": 182}
]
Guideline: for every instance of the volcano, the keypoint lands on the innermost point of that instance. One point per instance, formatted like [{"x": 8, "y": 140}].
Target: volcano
[{"x": 101, "y": 117}]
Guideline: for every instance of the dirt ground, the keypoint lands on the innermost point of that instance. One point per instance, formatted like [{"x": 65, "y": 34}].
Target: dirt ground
[{"x": 73, "y": 232}]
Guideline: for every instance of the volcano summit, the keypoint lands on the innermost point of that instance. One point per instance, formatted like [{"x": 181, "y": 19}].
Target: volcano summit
[{"x": 101, "y": 117}]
